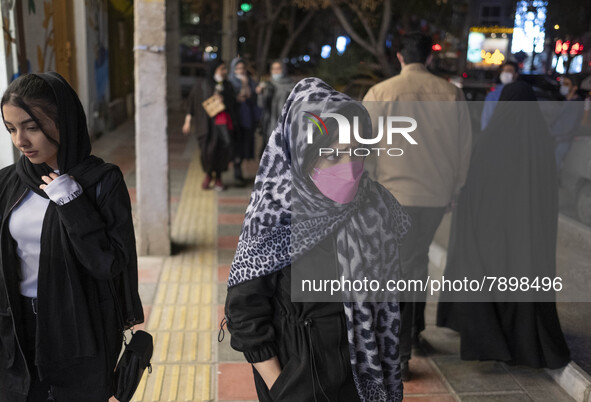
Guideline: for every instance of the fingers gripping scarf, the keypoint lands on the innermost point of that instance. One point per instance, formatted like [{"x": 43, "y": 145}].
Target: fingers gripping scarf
[{"x": 368, "y": 232}]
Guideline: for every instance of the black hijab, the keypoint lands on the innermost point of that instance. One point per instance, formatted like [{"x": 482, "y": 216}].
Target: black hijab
[
  {"x": 211, "y": 67},
  {"x": 74, "y": 142}
]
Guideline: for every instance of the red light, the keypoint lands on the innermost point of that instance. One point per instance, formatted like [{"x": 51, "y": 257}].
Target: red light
[
  {"x": 436, "y": 47},
  {"x": 465, "y": 75},
  {"x": 558, "y": 48},
  {"x": 577, "y": 48},
  {"x": 565, "y": 46}
]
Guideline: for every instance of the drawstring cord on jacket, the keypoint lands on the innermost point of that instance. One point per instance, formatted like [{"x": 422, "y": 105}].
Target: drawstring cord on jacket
[
  {"x": 222, "y": 333},
  {"x": 313, "y": 368}
]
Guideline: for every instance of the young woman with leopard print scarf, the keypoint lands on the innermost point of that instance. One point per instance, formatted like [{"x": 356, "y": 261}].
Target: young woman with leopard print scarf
[{"x": 326, "y": 215}]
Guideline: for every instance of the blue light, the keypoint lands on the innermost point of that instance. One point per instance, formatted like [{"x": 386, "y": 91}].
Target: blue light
[
  {"x": 213, "y": 56},
  {"x": 342, "y": 42},
  {"x": 306, "y": 58},
  {"x": 325, "y": 54}
]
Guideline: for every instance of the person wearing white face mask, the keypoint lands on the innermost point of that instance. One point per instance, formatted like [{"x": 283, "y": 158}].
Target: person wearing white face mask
[
  {"x": 569, "y": 119},
  {"x": 509, "y": 73}
]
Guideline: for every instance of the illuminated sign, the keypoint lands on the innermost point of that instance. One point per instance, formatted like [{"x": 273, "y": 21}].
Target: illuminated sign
[
  {"x": 487, "y": 50},
  {"x": 496, "y": 58},
  {"x": 563, "y": 48},
  {"x": 489, "y": 30}
]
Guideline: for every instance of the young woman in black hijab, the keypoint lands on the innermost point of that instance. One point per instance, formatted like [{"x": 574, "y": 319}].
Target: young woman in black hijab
[
  {"x": 66, "y": 238},
  {"x": 505, "y": 226},
  {"x": 216, "y": 135}
]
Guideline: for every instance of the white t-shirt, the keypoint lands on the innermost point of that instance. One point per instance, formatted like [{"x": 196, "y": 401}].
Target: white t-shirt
[{"x": 25, "y": 225}]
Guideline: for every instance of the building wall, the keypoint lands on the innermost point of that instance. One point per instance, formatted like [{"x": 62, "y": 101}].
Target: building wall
[
  {"x": 97, "y": 63},
  {"x": 39, "y": 35},
  {"x": 7, "y": 154},
  {"x": 506, "y": 8}
]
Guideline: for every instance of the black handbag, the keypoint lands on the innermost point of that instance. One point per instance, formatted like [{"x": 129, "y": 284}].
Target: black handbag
[{"x": 132, "y": 364}]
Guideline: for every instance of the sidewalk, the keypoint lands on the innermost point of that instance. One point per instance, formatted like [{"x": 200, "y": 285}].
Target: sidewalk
[{"x": 184, "y": 294}]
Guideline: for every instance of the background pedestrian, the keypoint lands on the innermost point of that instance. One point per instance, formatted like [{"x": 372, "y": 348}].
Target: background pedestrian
[{"x": 216, "y": 134}]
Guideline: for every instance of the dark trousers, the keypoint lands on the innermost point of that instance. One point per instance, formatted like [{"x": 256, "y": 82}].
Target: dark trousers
[{"x": 414, "y": 256}]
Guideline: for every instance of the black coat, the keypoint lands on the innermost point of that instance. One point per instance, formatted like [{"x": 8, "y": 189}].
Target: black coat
[
  {"x": 78, "y": 329},
  {"x": 505, "y": 225},
  {"x": 308, "y": 338},
  {"x": 215, "y": 154}
]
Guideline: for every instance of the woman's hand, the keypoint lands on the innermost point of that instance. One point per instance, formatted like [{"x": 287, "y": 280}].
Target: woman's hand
[
  {"x": 48, "y": 179},
  {"x": 60, "y": 189},
  {"x": 269, "y": 370},
  {"x": 187, "y": 125}
]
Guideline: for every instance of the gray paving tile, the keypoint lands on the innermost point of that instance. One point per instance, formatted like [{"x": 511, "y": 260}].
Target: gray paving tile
[
  {"x": 513, "y": 397},
  {"x": 222, "y": 292},
  {"x": 532, "y": 379},
  {"x": 441, "y": 341},
  {"x": 538, "y": 384},
  {"x": 147, "y": 292},
  {"x": 554, "y": 395},
  {"x": 229, "y": 230},
  {"x": 469, "y": 376},
  {"x": 225, "y": 256},
  {"x": 226, "y": 353},
  {"x": 232, "y": 209}
]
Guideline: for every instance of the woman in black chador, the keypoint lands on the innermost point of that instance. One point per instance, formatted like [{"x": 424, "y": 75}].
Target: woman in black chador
[
  {"x": 215, "y": 135},
  {"x": 66, "y": 239},
  {"x": 505, "y": 226}
]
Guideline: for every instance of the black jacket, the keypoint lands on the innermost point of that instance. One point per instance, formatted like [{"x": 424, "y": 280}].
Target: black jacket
[
  {"x": 78, "y": 329},
  {"x": 308, "y": 338}
]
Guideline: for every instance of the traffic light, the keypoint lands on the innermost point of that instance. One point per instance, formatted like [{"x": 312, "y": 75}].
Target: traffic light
[{"x": 246, "y": 7}]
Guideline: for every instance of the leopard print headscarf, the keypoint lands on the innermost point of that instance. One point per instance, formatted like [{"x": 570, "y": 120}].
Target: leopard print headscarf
[{"x": 287, "y": 216}]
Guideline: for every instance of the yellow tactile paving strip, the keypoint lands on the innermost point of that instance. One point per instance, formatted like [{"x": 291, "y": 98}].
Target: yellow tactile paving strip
[{"x": 183, "y": 313}]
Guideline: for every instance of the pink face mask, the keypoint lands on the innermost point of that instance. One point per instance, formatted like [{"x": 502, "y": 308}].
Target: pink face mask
[{"x": 339, "y": 182}]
